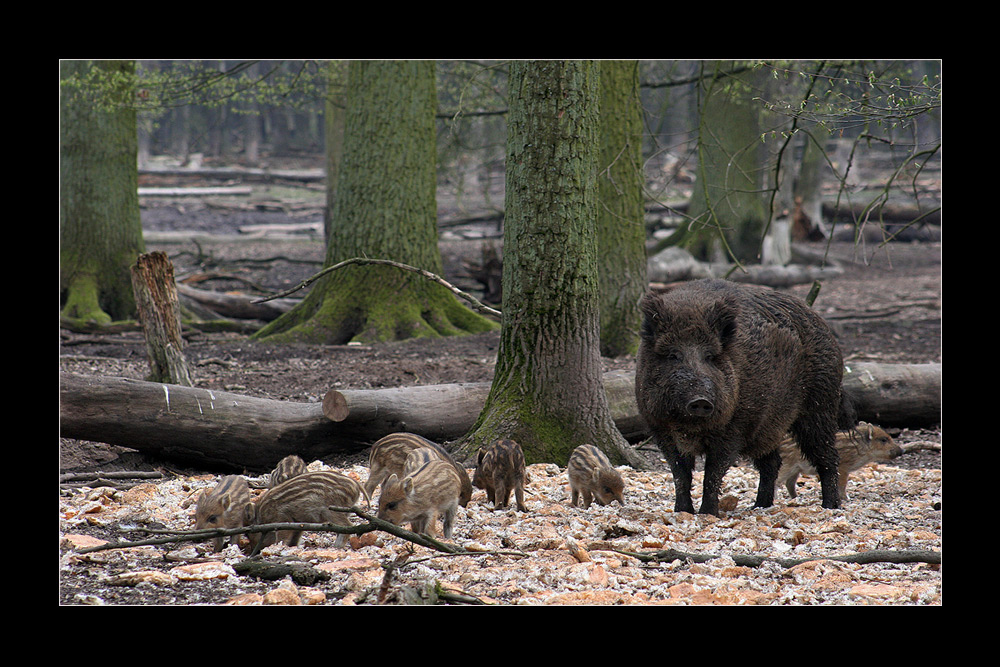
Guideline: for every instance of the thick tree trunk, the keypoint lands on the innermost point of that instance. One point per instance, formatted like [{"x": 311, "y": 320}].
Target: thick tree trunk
[
  {"x": 621, "y": 232},
  {"x": 223, "y": 430},
  {"x": 385, "y": 208},
  {"x": 546, "y": 392},
  {"x": 100, "y": 231},
  {"x": 727, "y": 205}
]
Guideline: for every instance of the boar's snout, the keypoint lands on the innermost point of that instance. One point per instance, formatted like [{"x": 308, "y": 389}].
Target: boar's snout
[{"x": 700, "y": 407}]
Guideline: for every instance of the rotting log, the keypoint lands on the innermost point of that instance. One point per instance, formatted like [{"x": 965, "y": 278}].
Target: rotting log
[
  {"x": 222, "y": 430},
  {"x": 204, "y": 427}
]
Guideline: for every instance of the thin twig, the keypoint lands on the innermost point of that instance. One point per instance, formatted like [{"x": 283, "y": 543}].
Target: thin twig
[
  {"x": 130, "y": 474},
  {"x": 373, "y": 523},
  {"x": 476, "y": 304}
]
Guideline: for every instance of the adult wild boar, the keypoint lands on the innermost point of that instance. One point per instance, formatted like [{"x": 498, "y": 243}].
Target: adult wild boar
[{"x": 726, "y": 371}]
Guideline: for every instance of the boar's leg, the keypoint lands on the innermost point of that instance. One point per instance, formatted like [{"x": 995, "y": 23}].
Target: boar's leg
[
  {"x": 681, "y": 468},
  {"x": 768, "y": 466},
  {"x": 717, "y": 463},
  {"x": 816, "y": 437},
  {"x": 337, "y": 519}
]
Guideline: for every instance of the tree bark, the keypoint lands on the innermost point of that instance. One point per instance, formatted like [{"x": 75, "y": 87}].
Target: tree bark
[{"x": 222, "y": 430}]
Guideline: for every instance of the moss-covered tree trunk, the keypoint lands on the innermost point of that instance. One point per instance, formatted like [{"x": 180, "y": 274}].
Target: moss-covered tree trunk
[
  {"x": 385, "y": 208},
  {"x": 546, "y": 392},
  {"x": 728, "y": 204},
  {"x": 621, "y": 260},
  {"x": 333, "y": 133},
  {"x": 99, "y": 224}
]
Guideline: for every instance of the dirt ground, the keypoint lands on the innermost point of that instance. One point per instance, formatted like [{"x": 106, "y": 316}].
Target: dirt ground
[{"x": 885, "y": 307}]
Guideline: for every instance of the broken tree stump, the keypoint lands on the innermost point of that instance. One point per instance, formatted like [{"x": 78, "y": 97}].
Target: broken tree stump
[{"x": 159, "y": 314}]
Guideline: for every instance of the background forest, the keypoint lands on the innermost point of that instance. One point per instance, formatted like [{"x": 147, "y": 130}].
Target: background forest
[{"x": 864, "y": 114}]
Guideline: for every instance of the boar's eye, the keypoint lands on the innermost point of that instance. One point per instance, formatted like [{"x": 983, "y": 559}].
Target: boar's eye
[
  {"x": 391, "y": 505},
  {"x": 669, "y": 353}
]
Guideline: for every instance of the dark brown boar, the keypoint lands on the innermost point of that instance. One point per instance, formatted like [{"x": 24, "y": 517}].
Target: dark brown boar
[
  {"x": 726, "y": 371},
  {"x": 388, "y": 457},
  {"x": 500, "y": 470},
  {"x": 856, "y": 448}
]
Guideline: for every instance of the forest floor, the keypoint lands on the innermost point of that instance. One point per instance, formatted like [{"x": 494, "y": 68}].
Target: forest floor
[{"x": 885, "y": 307}]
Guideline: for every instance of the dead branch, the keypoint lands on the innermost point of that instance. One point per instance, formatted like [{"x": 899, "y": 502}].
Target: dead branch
[
  {"x": 372, "y": 523},
  {"x": 476, "y": 304},
  {"x": 127, "y": 474},
  {"x": 863, "y": 557},
  {"x": 239, "y": 306},
  {"x": 921, "y": 445}
]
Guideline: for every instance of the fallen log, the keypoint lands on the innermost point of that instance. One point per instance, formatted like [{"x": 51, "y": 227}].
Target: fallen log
[
  {"x": 222, "y": 430},
  {"x": 676, "y": 264},
  {"x": 195, "y": 191},
  {"x": 238, "y": 306},
  {"x": 907, "y": 395}
]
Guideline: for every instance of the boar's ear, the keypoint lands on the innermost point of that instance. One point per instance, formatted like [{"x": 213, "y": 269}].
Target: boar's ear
[
  {"x": 722, "y": 318},
  {"x": 652, "y": 317}
]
